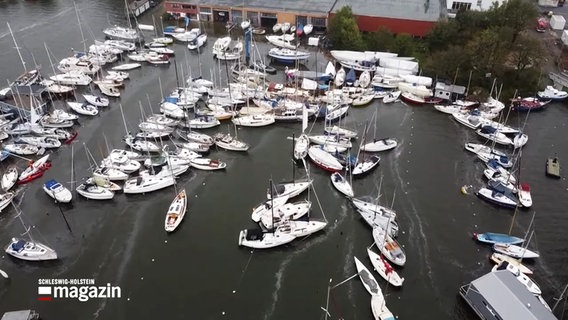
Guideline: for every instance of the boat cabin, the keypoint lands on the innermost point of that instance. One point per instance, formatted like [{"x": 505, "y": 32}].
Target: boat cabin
[{"x": 500, "y": 295}]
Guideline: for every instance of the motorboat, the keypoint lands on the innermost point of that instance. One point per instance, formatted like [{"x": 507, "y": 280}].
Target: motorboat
[
  {"x": 83, "y": 108},
  {"x": 148, "y": 183},
  {"x": 481, "y": 148},
  {"x": 197, "y": 42},
  {"x": 72, "y": 78},
  {"x": 551, "y": 93},
  {"x": 94, "y": 192},
  {"x": 491, "y": 133},
  {"x": 472, "y": 121},
  {"x": 254, "y": 120},
  {"x": 30, "y": 250},
  {"x": 499, "y": 198},
  {"x": 203, "y": 122},
  {"x": 228, "y": 142},
  {"x": 57, "y": 191},
  {"x": 525, "y": 198},
  {"x": 227, "y": 49},
  {"x": 380, "y": 145},
  {"x": 207, "y": 164}
]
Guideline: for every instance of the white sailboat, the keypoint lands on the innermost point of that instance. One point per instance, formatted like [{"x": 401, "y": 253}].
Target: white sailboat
[
  {"x": 83, "y": 108},
  {"x": 302, "y": 144},
  {"x": 176, "y": 211},
  {"x": 369, "y": 282},
  {"x": 9, "y": 178},
  {"x": 342, "y": 184},
  {"x": 389, "y": 247},
  {"x": 384, "y": 269}
]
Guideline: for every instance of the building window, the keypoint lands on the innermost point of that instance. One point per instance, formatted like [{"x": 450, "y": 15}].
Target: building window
[
  {"x": 301, "y": 20},
  {"x": 253, "y": 17},
  {"x": 457, "y": 6},
  {"x": 187, "y": 6},
  {"x": 268, "y": 15},
  {"x": 205, "y": 10},
  {"x": 318, "y": 22},
  {"x": 175, "y": 6}
]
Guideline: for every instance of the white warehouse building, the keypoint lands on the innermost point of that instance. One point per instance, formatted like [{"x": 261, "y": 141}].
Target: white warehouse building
[{"x": 477, "y": 5}]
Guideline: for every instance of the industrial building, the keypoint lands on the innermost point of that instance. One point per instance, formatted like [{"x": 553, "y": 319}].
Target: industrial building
[
  {"x": 415, "y": 17},
  {"x": 260, "y": 13}
]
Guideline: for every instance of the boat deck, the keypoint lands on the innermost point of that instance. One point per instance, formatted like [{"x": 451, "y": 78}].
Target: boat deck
[{"x": 553, "y": 168}]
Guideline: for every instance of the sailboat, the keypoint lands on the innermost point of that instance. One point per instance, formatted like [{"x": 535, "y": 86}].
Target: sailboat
[
  {"x": 259, "y": 239},
  {"x": 29, "y": 250},
  {"x": 289, "y": 189},
  {"x": 369, "y": 282},
  {"x": 389, "y": 247},
  {"x": 302, "y": 144},
  {"x": 378, "y": 145},
  {"x": 341, "y": 183},
  {"x": 384, "y": 269},
  {"x": 176, "y": 211},
  {"x": 9, "y": 178}
]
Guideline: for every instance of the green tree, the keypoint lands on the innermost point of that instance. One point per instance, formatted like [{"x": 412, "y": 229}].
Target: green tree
[
  {"x": 527, "y": 52},
  {"x": 380, "y": 40},
  {"x": 516, "y": 14},
  {"x": 344, "y": 32},
  {"x": 488, "y": 51},
  {"x": 404, "y": 45}
]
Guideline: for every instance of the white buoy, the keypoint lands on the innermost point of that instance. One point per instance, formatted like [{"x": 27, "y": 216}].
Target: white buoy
[{"x": 4, "y": 274}]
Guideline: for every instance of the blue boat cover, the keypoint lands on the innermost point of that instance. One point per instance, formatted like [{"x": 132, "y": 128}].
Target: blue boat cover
[
  {"x": 504, "y": 159},
  {"x": 51, "y": 184},
  {"x": 351, "y": 77},
  {"x": 475, "y": 112},
  {"x": 170, "y": 28},
  {"x": 18, "y": 245},
  {"x": 488, "y": 129},
  {"x": 493, "y": 163},
  {"x": 4, "y": 154},
  {"x": 173, "y": 100}
]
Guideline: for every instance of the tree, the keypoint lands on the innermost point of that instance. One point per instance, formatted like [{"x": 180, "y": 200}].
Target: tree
[
  {"x": 527, "y": 52},
  {"x": 488, "y": 51},
  {"x": 405, "y": 45},
  {"x": 344, "y": 32},
  {"x": 380, "y": 40},
  {"x": 516, "y": 14}
]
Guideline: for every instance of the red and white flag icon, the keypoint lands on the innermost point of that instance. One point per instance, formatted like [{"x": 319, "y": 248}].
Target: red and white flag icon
[{"x": 44, "y": 293}]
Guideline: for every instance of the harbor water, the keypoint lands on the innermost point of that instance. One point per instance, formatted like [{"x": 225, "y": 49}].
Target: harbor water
[{"x": 200, "y": 272}]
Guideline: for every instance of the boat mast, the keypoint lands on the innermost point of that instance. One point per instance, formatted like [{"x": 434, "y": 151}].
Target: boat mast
[
  {"x": 80, "y": 28},
  {"x": 17, "y": 48},
  {"x": 272, "y": 204}
]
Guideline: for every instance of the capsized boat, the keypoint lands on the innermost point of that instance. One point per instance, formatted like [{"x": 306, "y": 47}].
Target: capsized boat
[{"x": 176, "y": 211}]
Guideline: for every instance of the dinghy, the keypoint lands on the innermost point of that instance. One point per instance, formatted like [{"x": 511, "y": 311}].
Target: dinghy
[
  {"x": 367, "y": 279},
  {"x": 341, "y": 184},
  {"x": 57, "y": 191},
  {"x": 384, "y": 269},
  {"x": 389, "y": 247},
  {"x": 207, "y": 164},
  {"x": 176, "y": 211},
  {"x": 515, "y": 251},
  {"x": 83, "y": 108},
  {"x": 9, "y": 178}
]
